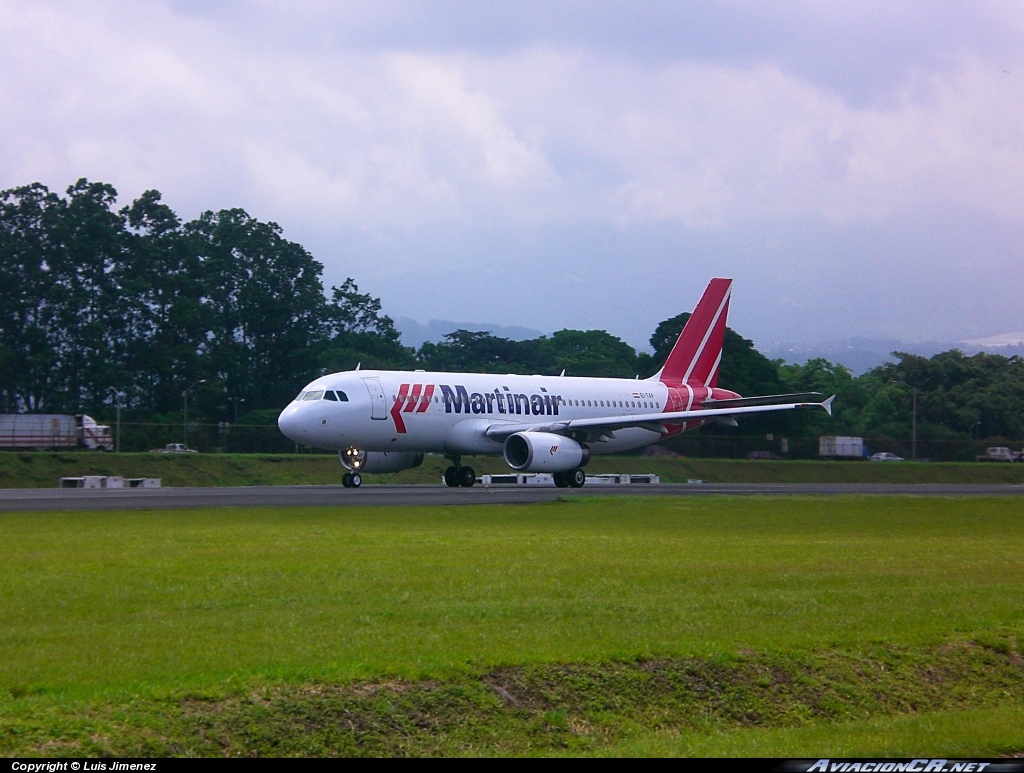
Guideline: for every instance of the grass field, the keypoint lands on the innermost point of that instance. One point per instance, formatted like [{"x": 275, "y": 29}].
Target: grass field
[
  {"x": 40, "y": 469},
  {"x": 790, "y": 626}
]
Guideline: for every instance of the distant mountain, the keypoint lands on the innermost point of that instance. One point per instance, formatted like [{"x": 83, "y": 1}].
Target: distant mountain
[
  {"x": 858, "y": 354},
  {"x": 1000, "y": 341},
  {"x": 415, "y": 334},
  {"x": 862, "y": 354}
]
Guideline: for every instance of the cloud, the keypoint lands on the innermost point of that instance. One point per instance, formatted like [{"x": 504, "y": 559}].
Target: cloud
[
  {"x": 397, "y": 139},
  {"x": 475, "y": 127}
]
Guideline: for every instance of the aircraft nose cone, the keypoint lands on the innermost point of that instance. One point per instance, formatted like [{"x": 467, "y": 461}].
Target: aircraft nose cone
[{"x": 289, "y": 424}]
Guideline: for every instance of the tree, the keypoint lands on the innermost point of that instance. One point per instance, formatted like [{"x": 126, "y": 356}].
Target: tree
[
  {"x": 27, "y": 329},
  {"x": 590, "y": 353},
  {"x": 481, "y": 352},
  {"x": 161, "y": 281},
  {"x": 264, "y": 306},
  {"x": 359, "y": 333}
]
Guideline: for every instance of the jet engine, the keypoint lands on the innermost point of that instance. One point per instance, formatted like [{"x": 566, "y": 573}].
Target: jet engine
[
  {"x": 544, "y": 452},
  {"x": 357, "y": 460}
]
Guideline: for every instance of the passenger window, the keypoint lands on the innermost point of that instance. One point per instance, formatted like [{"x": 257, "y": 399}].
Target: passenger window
[
  {"x": 314, "y": 395},
  {"x": 342, "y": 397},
  {"x": 329, "y": 395}
]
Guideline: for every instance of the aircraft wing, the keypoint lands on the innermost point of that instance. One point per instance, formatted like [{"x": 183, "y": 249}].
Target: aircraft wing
[{"x": 654, "y": 422}]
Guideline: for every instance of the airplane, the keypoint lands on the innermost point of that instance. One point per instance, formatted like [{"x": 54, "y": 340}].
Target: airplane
[{"x": 384, "y": 421}]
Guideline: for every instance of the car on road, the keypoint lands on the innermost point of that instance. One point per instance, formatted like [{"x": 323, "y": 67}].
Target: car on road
[
  {"x": 1000, "y": 454},
  {"x": 174, "y": 448},
  {"x": 885, "y": 456}
]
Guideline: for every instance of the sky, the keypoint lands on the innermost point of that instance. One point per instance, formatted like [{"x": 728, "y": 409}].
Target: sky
[{"x": 856, "y": 167}]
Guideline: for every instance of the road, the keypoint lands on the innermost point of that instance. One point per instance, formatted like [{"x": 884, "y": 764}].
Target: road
[{"x": 263, "y": 496}]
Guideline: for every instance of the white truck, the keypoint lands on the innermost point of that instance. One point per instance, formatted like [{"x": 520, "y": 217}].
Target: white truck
[
  {"x": 46, "y": 431},
  {"x": 841, "y": 447}
]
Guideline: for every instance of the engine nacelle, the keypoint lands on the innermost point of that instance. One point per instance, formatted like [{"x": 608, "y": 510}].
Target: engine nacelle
[
  {"x": 544, "y": 452},
  {"x": 357, "y": 460}
]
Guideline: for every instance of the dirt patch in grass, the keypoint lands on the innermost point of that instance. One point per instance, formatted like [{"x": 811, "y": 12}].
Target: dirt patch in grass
[{"x": 539, "y": 709}]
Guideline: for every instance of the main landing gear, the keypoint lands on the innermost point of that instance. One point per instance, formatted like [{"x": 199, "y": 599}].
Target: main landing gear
[
  {"x": 457, "y": 475},
  {"x": 351, "y": 480},
  {"x": 571, "y": 479}
]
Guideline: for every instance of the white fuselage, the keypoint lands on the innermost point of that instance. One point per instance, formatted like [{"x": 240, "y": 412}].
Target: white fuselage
[{"x": 449, "y": 412}]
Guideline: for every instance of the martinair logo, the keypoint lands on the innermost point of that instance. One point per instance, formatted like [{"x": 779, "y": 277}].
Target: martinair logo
[{"x": 416, "y": 398}]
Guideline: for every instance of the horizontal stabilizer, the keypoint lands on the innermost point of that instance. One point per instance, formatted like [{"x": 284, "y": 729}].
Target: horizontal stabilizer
[{"x": 744, "y": 402}]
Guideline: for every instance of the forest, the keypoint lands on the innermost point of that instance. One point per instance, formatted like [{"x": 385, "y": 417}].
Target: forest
[{"x": 123, "y": 311}]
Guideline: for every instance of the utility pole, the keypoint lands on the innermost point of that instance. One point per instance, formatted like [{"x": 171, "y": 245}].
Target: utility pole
[
  {"x": 185, "y": 395},
  {"x": 913, "y": 419},
  {"x": 118, "y": 405}
]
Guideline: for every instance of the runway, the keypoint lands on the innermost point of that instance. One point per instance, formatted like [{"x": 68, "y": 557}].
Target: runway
[{"x": 321, "y": 496}]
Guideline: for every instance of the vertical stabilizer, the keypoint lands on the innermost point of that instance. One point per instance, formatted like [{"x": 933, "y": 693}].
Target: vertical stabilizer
[{"x": 698, "y": 351}]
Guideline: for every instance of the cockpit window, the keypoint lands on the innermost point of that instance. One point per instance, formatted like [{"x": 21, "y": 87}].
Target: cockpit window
[
  {"x": 314, "y": 394},
  {"x": 329, "y": 395},
  {"x": 300, "y": 396},
  {"x": 342, "y": 397}
]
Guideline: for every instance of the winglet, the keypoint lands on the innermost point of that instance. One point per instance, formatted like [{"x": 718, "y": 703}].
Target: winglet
[{"x": 827, "y": 405}]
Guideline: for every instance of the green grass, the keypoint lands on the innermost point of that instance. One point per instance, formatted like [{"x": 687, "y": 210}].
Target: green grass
[
  {"x": 391, "y": 630},
  {"x": 43, "y": 469},
  {"x": 956, "y": 734}
]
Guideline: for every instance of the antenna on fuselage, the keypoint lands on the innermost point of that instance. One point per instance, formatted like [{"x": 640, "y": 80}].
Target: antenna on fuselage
[
  {"x": 562, "y": 373},
  {"x": 358, "y": 364}
]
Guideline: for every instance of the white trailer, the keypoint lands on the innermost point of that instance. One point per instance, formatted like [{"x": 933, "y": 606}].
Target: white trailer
[
  {"x": 44, "y": 431},
  {"x": 841, "y": 447}
]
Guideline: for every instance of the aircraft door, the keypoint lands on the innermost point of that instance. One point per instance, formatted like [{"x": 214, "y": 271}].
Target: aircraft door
[{"x": 377, "y": 400}]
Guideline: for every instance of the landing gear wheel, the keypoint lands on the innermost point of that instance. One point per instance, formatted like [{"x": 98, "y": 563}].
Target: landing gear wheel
[
  {"x": 451, "y": 477},
  {"x": 561, "y": 479},
  {"x": 357, "y": 480},
  {"x": 467, "y": 477},
  {"x": 577, "y": 478},
  {"x": 346, "y": 480}
]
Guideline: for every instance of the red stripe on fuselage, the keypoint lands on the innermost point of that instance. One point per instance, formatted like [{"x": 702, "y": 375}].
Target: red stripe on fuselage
[
  {"x": 413, "y": 398},
  {"x": 396, "y": 409},
  {"x": 428, "y": 394}
]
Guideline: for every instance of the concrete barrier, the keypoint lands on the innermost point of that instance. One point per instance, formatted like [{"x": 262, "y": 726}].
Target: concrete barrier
[
  {"x": 545, "y": 479},
  {"x": 108, "y": 481}
]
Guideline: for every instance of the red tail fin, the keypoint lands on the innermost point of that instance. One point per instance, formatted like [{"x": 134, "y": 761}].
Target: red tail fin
[{"x": 696, "y": 356}]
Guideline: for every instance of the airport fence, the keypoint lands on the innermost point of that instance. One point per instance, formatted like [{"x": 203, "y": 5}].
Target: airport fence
[
  {"x": 265, "y": 438},
  {"x": 728, "y": 446}
]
